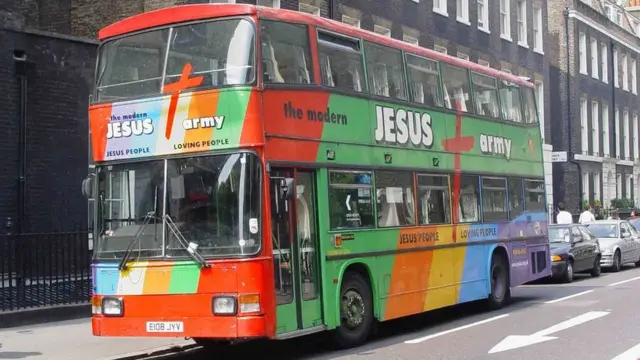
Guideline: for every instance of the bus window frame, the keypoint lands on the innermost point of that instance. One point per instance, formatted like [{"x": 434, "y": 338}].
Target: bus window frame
[
  {"x": 316, "y": 54},
  {"x": 265, "y": 236},
  {"x": 256, "y": 58}
]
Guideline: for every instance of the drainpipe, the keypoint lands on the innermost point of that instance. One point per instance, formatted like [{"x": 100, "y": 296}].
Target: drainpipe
[
  {"x": 20, "y": 58},
  {"x": 613, "y": 75},
  {"x": 331, "y": 11},
  {"x": 570, "y": 154}
]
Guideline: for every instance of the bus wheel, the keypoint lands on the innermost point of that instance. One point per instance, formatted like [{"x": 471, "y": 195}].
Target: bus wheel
[
  {"x": 500, "y": 291},
  {"x": 356, "y": 311}
]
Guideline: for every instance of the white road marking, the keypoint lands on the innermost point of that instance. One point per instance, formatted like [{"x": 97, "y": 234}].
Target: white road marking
[
  {"x": 517, "y": 341},
  {"x": 568, "y": 297},
  {"x": 631, "y": 354},
  {"x": 428, "y": 337},
  {"x": 624, "y": 282}
]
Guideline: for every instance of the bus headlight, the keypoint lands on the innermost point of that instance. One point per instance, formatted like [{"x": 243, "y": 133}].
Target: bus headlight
[
  {"x": 224, "y": 305},
  {"x": 112, "y": 307}
]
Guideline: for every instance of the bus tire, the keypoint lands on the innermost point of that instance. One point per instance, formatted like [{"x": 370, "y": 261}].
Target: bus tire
[
  {"x": 499, "y": 277},
  {"x": 356, "y": 311},
  {"x": 212, "y": 345}
]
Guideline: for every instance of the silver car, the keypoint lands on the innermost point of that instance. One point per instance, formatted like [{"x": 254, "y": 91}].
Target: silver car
[{"x": 619, "y": 243}]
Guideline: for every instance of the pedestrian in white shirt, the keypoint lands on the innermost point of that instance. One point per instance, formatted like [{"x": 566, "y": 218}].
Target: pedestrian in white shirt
[
  {"x": 587, "y": 215},
  {"x": 563, "y": 217}
]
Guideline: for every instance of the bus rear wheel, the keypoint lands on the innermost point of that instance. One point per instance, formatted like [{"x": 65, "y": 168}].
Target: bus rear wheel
[
  {"x": 499, "y": 276},
  {"x": 356, "y": 311}
]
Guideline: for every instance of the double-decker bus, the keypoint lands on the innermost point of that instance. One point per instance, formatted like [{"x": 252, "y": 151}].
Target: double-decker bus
[{"x": 266, "y": 173}]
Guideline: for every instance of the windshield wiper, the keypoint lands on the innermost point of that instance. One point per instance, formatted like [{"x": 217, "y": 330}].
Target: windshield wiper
[
  {"x": 127, "y": 253},
  {"x": 190, "y": 247}
]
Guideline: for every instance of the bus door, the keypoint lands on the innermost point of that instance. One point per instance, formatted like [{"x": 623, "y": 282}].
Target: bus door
[{"x": 295, "y": 249}]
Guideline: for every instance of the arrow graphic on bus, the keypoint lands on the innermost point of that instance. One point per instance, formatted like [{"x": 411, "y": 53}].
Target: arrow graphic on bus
[
  {"x": 517, "y": 341},
  {"x": 347, "y": 202}
]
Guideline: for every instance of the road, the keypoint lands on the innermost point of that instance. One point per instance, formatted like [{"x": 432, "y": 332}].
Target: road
[{"x": 592, "y": 318}]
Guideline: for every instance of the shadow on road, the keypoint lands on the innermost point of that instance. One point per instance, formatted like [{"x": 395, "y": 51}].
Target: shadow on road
[{"x": 320, "y": 346}]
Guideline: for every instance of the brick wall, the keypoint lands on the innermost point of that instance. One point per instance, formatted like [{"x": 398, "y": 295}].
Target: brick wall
[{"x": 59, "y": 78}]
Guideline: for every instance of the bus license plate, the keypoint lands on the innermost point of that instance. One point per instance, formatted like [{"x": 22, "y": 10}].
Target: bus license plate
[{"x": 165, "y": 327}]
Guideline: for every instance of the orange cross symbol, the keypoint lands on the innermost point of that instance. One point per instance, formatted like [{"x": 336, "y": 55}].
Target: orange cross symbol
[{"x": 185, "y": 82}]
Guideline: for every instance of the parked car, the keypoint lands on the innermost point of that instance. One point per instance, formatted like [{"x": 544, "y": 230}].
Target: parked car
[
  {"x": 635, "y": 222},
  {"x": 574, "y": 249},
  {"x": 619, "y": 243}
]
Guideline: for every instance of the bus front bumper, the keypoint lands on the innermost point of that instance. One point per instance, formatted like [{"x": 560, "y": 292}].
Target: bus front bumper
[{"x": 231, "y": 327}]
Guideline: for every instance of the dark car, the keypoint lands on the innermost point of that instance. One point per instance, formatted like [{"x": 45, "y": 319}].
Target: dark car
[{"x": 574, "y": 249}]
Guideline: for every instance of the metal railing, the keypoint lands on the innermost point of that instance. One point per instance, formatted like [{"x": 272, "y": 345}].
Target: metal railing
[{"x": 46, "y": 269}]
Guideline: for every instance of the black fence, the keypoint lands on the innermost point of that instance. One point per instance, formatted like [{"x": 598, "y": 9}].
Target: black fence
[{"x": 39, "y": 270}]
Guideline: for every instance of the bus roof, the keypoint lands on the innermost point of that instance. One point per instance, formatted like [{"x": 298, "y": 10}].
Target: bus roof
[{"x": 184, "y": 13}]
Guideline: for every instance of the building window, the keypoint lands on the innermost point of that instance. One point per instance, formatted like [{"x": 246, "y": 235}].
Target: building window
[
  {"x": 625, "y": 72},
  {"x": 484, "y": 63},
  {"x": 308, "y": 8},
  {"x": 270, "y": 3},
  {"x": 595, "y": 128},
  {"x": 585, "y": 186},
  {"x": 616, "y": 81},
  {"x": 483, "y": 15},
  {"x": 381, "y": 30},
  {"x": 582, "y": 49},
  {"x": 540, "y": 103},
  {"x": 351, "y": 21},
  {"x": 440, "y": 7},
  {"x": 634, "y": 77},
  {"x": 439, "y": 48},
  {"x": 627, "y": 190},
  {"x": 410, "y": 39},
  {"x": 522, "y": 23},
  {"x": 634, "y": 137},
  {"x": 605, "y": 130},
  {"x": 462, "y": 56},
  {"x": 596, "y": 186},
  {"x": 616, "y": 128},
  {"x": 462, "y": 11},
  {"x": 594, "y": 58},
  {"x": 604, "y": 61},
  {"x": 618, "y": 185},
  {"x": 584, "y": 126},
  {"x": 505, "y": 19},
  {"x": 538, "y": 39},
  {"x": 625, "y": 134}
]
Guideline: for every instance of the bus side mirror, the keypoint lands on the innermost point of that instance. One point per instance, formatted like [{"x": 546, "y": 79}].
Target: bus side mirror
[
  {"x": 87, "y": 186},
  {"x": 286, "y": 188}
]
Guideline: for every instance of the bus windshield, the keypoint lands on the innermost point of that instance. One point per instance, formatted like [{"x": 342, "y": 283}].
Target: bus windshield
[
  {"x": 214, "y": 202},
  {"x": 221, "y": 51}
]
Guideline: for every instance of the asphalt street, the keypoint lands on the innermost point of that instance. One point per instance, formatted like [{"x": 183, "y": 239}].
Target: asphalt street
[{"x": 588, "y": 319}]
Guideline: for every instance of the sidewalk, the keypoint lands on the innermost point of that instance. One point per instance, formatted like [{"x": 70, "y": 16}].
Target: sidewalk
[{"x": 72, "y": 340}]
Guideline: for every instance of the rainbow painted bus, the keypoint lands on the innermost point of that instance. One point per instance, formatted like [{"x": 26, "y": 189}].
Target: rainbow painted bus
[{"x": 266, "y": 173}]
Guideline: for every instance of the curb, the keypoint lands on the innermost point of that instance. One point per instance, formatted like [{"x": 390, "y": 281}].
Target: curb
[
  {"x": 155, "y": 352},
  {"x": 26, "y": 317}
]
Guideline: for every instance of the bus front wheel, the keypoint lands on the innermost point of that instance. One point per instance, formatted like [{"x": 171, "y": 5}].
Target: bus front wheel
[
  {"x": 356, "y": 311},
  {"x": 499, "y": 276}
]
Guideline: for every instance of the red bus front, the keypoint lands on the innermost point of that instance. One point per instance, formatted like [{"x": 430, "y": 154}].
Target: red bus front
[{"x": 181, "y": 245}]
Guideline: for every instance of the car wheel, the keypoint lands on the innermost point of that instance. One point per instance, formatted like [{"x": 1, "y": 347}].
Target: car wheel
[
  {"x": 597, "y": 269},
  {"x": 500, "y": 290},
  {"x": 356, "y": 312},
  {"x": 568, "y": 272},
  {"x": 638, "y": 262},
  {"x": 617, "y": 261}
]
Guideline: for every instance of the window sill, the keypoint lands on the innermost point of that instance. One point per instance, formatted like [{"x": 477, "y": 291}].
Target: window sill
[
  {"x": 484, "y": 29},
  {"x": 539, "y": 51},
  {"x": 441, "y": 12},
  {"x": 584, "y": 72},
  {"x": 463, "y": 21},
  {"x": 523, "y": 44},
  {"x": 506, "y": 37},
  {"x": 595, "y": 77}
]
